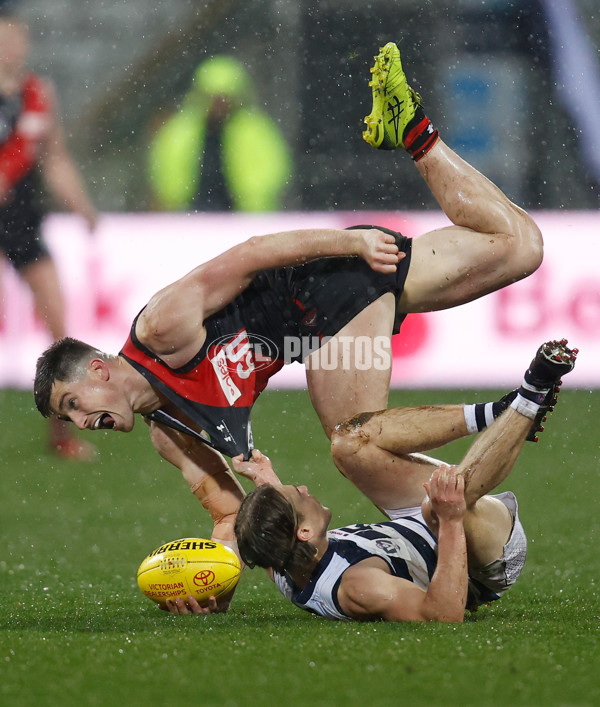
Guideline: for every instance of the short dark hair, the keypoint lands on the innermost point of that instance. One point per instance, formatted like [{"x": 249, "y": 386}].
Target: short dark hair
[
  {"x": 60, "y": 362},
  {"x": 266, "y": 527}
]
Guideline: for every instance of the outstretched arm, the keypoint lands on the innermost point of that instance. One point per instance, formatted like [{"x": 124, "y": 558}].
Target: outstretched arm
[
  {"x": 171, "y": 323},
  {"x": 368, "y": 590},
  {"x": 60, "y": 172},
  {"x": 208, "y": 476},
  {"x": 211, "y": 481}
]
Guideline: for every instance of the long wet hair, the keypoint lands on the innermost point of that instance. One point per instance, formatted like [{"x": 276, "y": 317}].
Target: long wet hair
[{"x": 266, "y": 530}]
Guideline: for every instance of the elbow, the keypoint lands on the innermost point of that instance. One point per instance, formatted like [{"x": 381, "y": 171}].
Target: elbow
[
  {"x": 445, "y": 617},
  {"x": 450, "y": 611},
  {"x": 224, "y": 528},
  {"x": 457, "y": 618}
]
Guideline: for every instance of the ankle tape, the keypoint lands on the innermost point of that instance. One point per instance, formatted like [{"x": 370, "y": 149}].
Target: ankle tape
[
  {"x": 419, "y": 135},
  {"x": 528, "y": 400}
]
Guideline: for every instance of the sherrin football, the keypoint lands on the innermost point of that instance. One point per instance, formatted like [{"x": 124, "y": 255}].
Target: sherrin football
[{"x": 202, "y": 568}]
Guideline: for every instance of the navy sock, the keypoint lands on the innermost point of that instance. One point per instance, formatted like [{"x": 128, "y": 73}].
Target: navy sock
[{"x": 478, "y": 416}]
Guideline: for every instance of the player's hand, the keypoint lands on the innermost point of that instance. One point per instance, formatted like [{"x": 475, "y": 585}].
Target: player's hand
[
  {"x": 258, "y": 469},
  {"x": 380, "y": 251},
  {"x": 446, "y": 491},
  {"x": 191, "y": 606}
]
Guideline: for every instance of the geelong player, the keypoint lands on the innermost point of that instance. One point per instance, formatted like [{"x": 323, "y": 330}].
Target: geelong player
[{"x": 459, "y": 547}]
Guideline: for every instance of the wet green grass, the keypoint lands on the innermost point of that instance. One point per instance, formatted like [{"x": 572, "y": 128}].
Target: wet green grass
[{"x": 75, "y": 630}]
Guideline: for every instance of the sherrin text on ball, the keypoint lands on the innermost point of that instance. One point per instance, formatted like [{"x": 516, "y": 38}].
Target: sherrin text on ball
[{"x": 196, "y": 566}]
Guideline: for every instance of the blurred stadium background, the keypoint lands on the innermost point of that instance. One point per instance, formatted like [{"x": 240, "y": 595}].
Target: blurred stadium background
[
  {"x": 492, "y": 82},
  {"x": 119, "y": 63},
  {"x": 74, "y": 630}
]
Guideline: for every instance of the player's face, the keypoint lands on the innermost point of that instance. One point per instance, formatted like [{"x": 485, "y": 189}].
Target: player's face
[{"x": 92, "y": 403}]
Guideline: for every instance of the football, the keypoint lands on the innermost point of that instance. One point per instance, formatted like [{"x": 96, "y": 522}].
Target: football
[{"x": 196, "y": 566}]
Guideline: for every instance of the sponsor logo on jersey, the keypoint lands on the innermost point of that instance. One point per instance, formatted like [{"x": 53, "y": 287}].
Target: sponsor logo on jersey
[
  {"x": 237, "y": 357},
  {"x": 229, "y": 388}
]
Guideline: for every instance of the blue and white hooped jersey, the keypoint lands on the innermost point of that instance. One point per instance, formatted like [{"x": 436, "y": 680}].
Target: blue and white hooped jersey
[{"x": 407, "y": 545}]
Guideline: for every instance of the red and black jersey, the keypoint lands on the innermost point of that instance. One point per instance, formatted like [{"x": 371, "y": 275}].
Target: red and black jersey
[
  {"x": 219, "y": 386},
  {"x": 24, "y": 122},
  {"x": 281, "y": 317}
]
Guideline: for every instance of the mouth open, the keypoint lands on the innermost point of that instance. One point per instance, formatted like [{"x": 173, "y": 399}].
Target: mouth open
[{"x": 104, "y": 422}]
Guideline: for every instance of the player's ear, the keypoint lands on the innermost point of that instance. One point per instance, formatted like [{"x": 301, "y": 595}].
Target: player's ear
[
  {"x": 304, "y": 532},
  {"x": 99, "y": 367}
]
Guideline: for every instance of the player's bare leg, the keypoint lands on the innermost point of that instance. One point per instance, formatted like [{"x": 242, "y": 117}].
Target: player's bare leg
[
  {"x": 492, "y": 242},
  {"x": 42, "y": 279},
  {"x": 338, "y": 388},
  {"x": 492, "y": 455},
  {"x": 379, "y": 452},
  {"x": 372, "y": 446}
]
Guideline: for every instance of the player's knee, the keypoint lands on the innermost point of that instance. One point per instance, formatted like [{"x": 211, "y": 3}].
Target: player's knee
[
  {"x": 529, "y": 254},
  {"x": 350, "y": 436},
  {"x": 536, "y": 248}
]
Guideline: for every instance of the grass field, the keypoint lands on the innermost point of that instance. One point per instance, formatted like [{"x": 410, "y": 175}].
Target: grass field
[{"x": 75, "y": 630}]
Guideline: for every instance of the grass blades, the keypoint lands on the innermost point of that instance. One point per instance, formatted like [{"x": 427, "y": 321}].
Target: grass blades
[{"x": 75, "y": 630}]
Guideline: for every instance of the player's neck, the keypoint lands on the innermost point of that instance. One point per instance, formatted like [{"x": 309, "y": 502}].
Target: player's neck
[
  {"x": 143, "y": 397},
  {"x": 302, "y": 575}
]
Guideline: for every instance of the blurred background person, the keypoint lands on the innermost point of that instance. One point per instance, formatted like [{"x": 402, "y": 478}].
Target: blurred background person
[
  {"x": 33, "y": 153},
  {"x": 219, "y": 152}
]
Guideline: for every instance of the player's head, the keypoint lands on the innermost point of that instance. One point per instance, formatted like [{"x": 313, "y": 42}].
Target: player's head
[
  {"x": 77, "y": 382},
  {"x": 14, "y": 43},
  {"x": 65, "y": 360},
  {"x": 280, "y": 527}
]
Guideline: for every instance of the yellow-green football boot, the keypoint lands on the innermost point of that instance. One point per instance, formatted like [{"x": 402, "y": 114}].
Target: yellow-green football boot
[{"x": 395, "y": 104}]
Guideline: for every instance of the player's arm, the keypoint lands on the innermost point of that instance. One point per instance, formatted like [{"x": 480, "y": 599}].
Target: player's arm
[
  {"x": 214, "y": 485},
  {"x": 208, "y": 476},
  {"x": 369, "y": 591},
  {"x": 171, "y": 323},
  {"x": 59, "y": 170},
  {"x": 260, "y": 471},
  {"x": 225, "y": 276}
]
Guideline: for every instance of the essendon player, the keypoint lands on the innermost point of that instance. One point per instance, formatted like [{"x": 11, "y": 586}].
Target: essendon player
[{"x": 32, "y": 150}]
